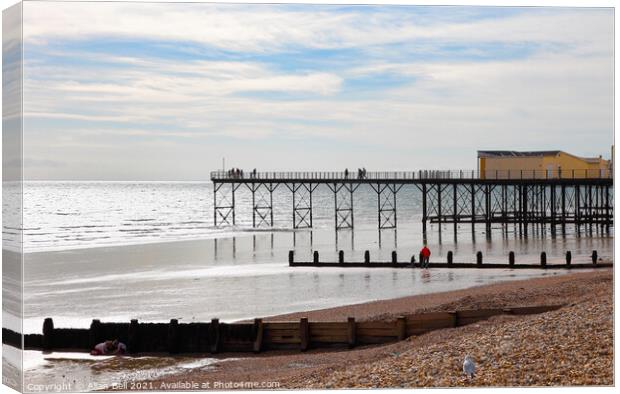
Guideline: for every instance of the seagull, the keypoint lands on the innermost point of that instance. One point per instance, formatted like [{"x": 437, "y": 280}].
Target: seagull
[{"x": 469, "y": 368}]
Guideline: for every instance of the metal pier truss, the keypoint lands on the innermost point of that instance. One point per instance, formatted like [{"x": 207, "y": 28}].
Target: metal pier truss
[{"x": 581, "y": 198}]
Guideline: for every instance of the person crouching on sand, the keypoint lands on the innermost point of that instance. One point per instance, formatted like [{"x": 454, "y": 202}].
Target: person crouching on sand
[
  {"x": 118, "y": 347},
  {"x": 103, "y": 348},
  {"x": 109, "y": 347}
]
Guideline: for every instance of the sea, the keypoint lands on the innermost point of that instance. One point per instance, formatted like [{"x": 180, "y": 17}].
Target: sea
[{"x": 115, "y": 251}]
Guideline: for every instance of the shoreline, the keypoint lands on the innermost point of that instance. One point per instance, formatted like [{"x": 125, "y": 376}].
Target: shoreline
[
  {"x": 439, "y": 301},
  {"x": 341, "y": 368}
]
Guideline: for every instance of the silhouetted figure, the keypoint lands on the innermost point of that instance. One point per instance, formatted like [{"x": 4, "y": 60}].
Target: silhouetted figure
[
  {"x": 346, "y": 173},
  {"x": 426, "y": 255}
]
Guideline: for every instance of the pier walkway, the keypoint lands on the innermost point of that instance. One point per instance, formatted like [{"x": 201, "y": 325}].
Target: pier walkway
[{"x": 519, "y": 197}]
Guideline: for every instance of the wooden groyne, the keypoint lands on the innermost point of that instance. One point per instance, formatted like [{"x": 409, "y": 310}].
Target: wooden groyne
[
  {"x": 215, "y": 337},
  {"x": 449, "y": 263}
]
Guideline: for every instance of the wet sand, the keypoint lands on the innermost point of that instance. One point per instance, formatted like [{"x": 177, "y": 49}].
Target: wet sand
[{"x": 555, "y": 346}]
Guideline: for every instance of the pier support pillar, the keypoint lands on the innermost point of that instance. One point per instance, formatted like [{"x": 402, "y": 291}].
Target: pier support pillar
[
  {"x": 224, "y": 203},
  {"x": 262, "y": 203},
  {"x": 343, "y": 203},
  {"x": 302, "y": 203}
]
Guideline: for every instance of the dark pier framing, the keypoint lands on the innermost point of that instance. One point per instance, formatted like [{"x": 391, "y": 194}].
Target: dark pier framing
[{"x": 448, "y": 197}]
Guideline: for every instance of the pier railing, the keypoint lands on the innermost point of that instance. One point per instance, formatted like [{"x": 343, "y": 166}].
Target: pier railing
[{"x": 413, "y": 175}]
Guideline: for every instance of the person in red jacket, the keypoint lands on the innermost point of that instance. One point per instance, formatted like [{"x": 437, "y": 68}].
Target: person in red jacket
[{"x": 426, "y": 255}]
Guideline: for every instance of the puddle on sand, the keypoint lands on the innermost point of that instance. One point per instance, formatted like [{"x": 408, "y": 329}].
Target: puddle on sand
[{"x": 83, "y": 372}]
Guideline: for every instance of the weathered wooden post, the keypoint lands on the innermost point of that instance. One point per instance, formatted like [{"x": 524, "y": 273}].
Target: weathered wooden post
[
  {"x": 401, "y": 328},
  {"x": 511, "y": 258},
  {"x": 569, "y": 257},
  {"x": 394, "y": 257},
  {"x": 341, "y": 257},
  {"x": 304, "y": 334},
  {"x": 367, "y": 257},
  {"x": 214, "y": 338},
  {"x": 455, "y": 318},
  {"x": 173, "y": 336},
  {"x": 132, "y": 337},
  {"x": 594, "y": 257},
  {"x": 543, "y": 259},
  {"x": 450, "y": 257},
  {"x": 315, "y": 257},
  {"x": 291, "y": 257},
  {"x": 479, "y": 258},
  {"x": 351, "y": 338},
  {"x": 258, "y": 339},
  {"x": 94, "y": 334},
  {"x": 48, "y": 334}
]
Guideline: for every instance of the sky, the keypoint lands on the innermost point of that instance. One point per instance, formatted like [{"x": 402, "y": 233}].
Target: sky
[{"x": 135, "y": 91}]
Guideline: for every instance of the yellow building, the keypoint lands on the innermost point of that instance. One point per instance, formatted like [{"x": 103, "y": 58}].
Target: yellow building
[{"x": 503, "y": 164}]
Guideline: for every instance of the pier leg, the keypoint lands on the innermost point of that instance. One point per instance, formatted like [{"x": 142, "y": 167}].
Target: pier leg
[
  {"x": 524, "y": 209},
  {"x": 455, "y": 209},
  {"x": 262, "y": 203},
  {"x": 424, "y": 211},
  {"x": 473, "y": 208},
  {"x": 563, "y": 208},
  {"x": 224, "y": 203},
  {"x": 439, "y": 217},
  {"x": 577, "y": 209},
  {"x": 487, "y": 200},
  {"x": 386, "y": 205},
  {"x": 607, "y": 216},
  {"x": 343, "y": 202}
]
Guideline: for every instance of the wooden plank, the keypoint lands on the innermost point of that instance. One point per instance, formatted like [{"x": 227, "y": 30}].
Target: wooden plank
[
  {"x": 485, "y": 313},
  {"x": 377, "y": 332},
  {"x": 376, "y": 325},
  {"x": 443, "y": 322},
  {"x": 330, "y": 339},
  {"x": 401, "y": 328},
  {"x": 258, "y": 341},
  {"x": 529, "y": 310},
  {"x": 281, "y": 325},
  {"x": 367, "y": 339},
  {"x": 304, "y": 334},
  {"x": 282, "y": 340},
  {"x": 281, "y": 333},
  {"x": 429, "y": 316},
  {"x": 318, "y": 326},
  {"x": 351, "y": 332}
]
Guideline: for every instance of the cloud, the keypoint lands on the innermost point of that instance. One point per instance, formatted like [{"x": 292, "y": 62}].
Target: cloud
[
  {"x": 281, "y": 86},
  {"x": 269, "y": 28}
]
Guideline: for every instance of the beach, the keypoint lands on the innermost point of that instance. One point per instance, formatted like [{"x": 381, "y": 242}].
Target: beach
[{"x": 570, "y": 346}]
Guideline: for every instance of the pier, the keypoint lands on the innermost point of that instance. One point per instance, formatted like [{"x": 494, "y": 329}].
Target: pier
[{"x": 583, "y": 198}]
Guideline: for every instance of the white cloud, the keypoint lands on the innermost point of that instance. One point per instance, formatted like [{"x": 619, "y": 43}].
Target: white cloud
[
  {"x": 267, "y": 28},
  {"x": 183, "y": 110}
]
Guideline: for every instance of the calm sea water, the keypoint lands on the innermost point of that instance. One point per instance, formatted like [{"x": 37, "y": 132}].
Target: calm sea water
[{"x": 71, "y": 215}]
